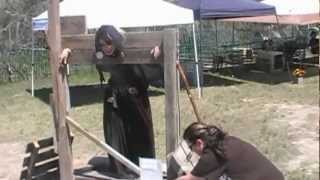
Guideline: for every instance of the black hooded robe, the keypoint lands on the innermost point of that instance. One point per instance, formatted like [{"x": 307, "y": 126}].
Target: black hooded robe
[{"x": 127, "y": 120}]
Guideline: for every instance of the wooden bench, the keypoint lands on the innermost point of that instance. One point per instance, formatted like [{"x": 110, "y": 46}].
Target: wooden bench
[{"x": 42, "y": 161}]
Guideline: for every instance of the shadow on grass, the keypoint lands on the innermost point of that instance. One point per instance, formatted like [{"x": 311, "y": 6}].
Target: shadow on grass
[
  {"x": 215, "y": 80},
  {"x": 82, "y": 94},
  {"x": 274, "y": 78}
]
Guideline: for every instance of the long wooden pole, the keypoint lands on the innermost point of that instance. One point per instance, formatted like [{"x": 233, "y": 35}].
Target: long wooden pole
[
  {"x": 58, "y": 88},
  {"x": 184, "y": 79},
  {"x": 104, "y": 146}
]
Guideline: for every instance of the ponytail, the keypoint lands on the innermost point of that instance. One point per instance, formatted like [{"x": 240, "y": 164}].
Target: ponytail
[{"x": 210, "y": 134}]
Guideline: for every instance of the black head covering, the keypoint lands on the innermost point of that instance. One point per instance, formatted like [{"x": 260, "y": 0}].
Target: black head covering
[{"x": 108, "y": 32}]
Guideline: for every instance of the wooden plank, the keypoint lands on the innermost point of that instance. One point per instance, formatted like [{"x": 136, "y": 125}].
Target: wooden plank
[
  {"x": 58, "y": 78},
  {"x": 31, "y": 161},
  {"x": 133, "y": 56},
  {"x": 41, "y": 156},
  {"x": 84, "y": 178},
  {"x": 133, "y": 40},
  {"x": 42, "y": 169},
  {"x": 83, "y": 56},
  {"x": 170, "y": 74},
  {"x": 43, "y": 143},
  {"x": 53, "y": 174},
  {"x": 80, "y": 41},
  {"x": 137, "y": 49},
  {"x": 73, "y": 25},
  {"x": 144, "y": 39}
]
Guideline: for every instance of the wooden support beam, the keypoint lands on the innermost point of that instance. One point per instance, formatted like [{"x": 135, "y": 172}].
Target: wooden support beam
[
  {"x": 41, "y": 143},
  {"x": 59, "y": 94},
  {"x": 31, "y": 161},
  {"x": 73, "y": 25},
  {"x": 170, "y": 74}
]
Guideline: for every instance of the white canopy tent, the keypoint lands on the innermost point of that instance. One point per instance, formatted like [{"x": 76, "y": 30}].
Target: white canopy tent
[
  {"x": 119, "y": 13},
  {"x": 294, "y": 7},
  {"x": 122, "y": 13}
]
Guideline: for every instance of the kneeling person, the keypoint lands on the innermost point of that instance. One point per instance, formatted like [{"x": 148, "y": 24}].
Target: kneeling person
[{"x": 221, "y": 153}]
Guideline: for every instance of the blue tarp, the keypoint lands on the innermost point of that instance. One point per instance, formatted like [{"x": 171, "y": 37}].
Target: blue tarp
[{"x": 219, "y": 9}]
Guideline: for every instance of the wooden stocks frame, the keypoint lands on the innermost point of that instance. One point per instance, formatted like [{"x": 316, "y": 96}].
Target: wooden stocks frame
[{"x": 137, "y": 51}]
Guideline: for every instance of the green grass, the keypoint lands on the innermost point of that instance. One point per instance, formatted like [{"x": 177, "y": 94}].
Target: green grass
[{"x": 238, "y": 105}]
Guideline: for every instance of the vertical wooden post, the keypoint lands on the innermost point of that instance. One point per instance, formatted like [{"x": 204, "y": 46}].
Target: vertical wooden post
[
  {"x": 59, "y": 94},
  {"x": 170, "y": 73}
]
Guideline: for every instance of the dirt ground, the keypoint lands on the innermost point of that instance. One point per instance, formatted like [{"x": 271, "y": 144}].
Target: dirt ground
[
  {"x": 12, "y": 154},
  {"x": 302, "y": 120},
  {"x": 303, "y": 131}
]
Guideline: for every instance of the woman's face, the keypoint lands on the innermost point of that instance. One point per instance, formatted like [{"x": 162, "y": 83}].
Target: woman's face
[
  {"x": 107, "y": 47},
  {"x": 197, "y": 146}
]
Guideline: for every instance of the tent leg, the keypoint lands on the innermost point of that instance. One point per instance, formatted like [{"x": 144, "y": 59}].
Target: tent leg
[
  {"x": 196, "y": 59},
  {"x": 32, "y": 63}
]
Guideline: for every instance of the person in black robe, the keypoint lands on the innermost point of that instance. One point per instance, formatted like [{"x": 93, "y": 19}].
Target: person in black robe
[{"x": 127, "y": 120}]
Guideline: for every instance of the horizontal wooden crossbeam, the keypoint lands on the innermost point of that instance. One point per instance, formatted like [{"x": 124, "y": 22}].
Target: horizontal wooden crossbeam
[
  {"x": 137, "y": 49},
  {"x": 43, "y": 143}
]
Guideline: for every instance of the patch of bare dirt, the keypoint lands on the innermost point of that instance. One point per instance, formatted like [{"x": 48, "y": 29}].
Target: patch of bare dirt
[
  {"x": 303, "y": 133},
  {"x": 11, "y": 158}
]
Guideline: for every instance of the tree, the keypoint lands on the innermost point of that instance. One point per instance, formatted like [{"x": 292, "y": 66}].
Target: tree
[{"x": 15, "y": 22}]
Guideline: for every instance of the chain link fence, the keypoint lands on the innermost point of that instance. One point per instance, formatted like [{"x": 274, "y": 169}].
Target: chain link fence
[
  {"x": 16, "y": 65},
  {"x": 214, "y": 39}
]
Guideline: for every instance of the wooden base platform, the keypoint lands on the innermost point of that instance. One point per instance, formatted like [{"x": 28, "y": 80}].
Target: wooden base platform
[
  {"x": 98, "y": 168},
  {"x": 91, "y": 174}
]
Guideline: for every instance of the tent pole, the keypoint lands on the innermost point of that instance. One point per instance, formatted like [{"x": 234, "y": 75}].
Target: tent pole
[
  {"x": 233, "y": 33},
  {"x": 196, "y": 59},
  {"x": 178, "y": 84},
  {"x": 32, "y": 60},
  {"x": 216, "y": 27},
  {"x": 278, "y": 23}
]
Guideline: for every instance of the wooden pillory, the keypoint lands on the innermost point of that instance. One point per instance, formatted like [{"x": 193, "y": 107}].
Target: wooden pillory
[{"x": 137, "y": 50}]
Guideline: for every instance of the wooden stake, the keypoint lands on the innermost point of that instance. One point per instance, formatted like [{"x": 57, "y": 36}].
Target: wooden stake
[{"x": 184, "y": 79}]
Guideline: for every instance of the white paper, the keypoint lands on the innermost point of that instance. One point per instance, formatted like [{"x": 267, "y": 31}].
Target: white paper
[{"x": 150, "y": 169}]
